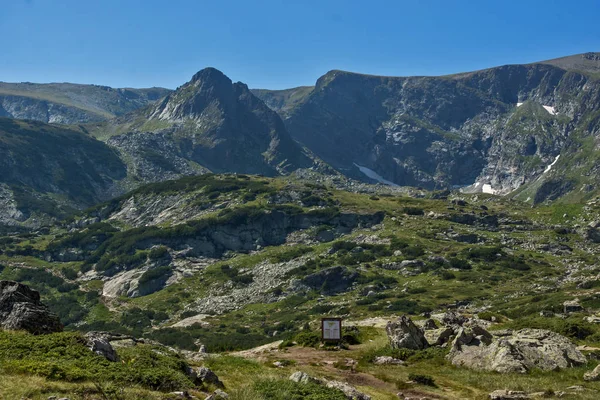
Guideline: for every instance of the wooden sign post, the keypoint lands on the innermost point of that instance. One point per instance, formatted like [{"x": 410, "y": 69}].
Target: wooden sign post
[{"x": 331, "y": 329}]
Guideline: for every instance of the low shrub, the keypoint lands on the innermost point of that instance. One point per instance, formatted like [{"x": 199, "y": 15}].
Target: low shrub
[
  {"x": 422, "y": 379},
  {"x": 285, "y": 389}
]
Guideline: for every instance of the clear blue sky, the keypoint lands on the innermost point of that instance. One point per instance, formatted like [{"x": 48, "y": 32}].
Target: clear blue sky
[{"x": 280, "y": 44}]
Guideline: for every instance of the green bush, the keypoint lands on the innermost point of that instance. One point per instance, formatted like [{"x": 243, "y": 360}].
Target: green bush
[
  {"x": 459, "y": 263},
  {"x": 284, "y": 389},
  {"x": 573, "y": 327},
  {"x": 413, "y": 211},
  {"x": 293, "y": 252},
  {"x": 155, "y": 273},
  {"x": 308, "y": 339},
  {"x": 64, "y": 356},
  {"x": 422, "y": 379}
]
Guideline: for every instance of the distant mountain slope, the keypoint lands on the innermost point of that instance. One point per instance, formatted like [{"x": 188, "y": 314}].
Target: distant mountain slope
[
  {"x": 493, "y": 130},
  {"x": 283, "y": 101},
  {"x": 69, "y": 103},
  {"x": 584, "y": 63},
  {"x": 208, "y": 124},
  {"x": 48, "y": 171}
]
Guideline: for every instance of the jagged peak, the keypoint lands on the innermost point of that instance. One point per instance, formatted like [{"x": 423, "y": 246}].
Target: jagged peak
[{"x": 209, "y": 73}]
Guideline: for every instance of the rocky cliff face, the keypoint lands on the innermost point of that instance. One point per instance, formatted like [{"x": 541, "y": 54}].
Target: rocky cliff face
[
  {"x": 67, "y": 103},
  {"x": 494, "y": 130}
]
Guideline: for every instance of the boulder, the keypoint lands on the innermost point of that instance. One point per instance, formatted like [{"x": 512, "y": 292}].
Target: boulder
[
  {"x": 387, "y": 360},
  {"x": 99, "y": 343},
  {"x": 351, "y": 392},
  {"x": 593, "y": 375},
  {"x": 508, "y": 395},
  {"x": 303, "y": 377},
  {"x": 426, "y": 324},
  {"x": 519, "y": 351},
  {"x": 403, "y": 333},
  {"x": 453, "y": 318},
  {"x": 572, "y": 306},
  {"x": 205, "y": 375},
  {"x": 437, "y": 337},
  {"x": 21, "y": 309}
]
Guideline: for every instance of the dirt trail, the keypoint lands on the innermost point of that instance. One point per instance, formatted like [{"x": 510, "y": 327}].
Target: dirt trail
[{"x": 333, "y": 364}]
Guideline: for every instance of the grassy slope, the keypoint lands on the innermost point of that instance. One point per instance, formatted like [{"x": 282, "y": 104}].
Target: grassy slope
[
  {"x": 91, "y": 98},
  {"x": 513, "y": 293}
]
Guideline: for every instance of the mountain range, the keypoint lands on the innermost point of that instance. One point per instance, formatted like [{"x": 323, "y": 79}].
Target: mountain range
[{"x": 527, "y": 131}]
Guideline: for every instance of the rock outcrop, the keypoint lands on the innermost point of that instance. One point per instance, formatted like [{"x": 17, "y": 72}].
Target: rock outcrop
[
  {"x": 519, "y": 351},
  {"x": 21, "y": 309},
  {"x": 404, "y": 334}
]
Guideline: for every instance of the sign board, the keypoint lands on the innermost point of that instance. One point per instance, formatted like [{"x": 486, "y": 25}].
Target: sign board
[{"x": 331, "y": 329}]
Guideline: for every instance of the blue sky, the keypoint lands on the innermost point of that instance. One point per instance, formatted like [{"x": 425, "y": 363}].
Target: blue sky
[{"x": 280, "y": 44}]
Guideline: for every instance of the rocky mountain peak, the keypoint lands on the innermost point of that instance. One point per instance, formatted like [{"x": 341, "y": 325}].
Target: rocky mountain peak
[
  {"x": 210, "y": 74},
  {"x": 208, "y": 92}
]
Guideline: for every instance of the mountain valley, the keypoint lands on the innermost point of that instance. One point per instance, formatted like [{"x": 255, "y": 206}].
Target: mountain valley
[{"x": 159, "y": 244}]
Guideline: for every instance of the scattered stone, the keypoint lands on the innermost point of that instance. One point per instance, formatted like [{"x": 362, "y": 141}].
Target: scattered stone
[
  {"x": 21, "y": 309},
  {"x": 429, "y": 324},
  {"x": 183, "y": 395},
  {"x": 587, "y": 284},
  {"x": 403, "y": 333},
  {"x": 303, "y": 377},
  {"x": 576, "y": 388},
  {"x": 508, "y": 395},
  {"x": 593, "y": 375},
  {"x": 387, "y": 360},
  {"x": 350, "y": 392},
  {"x": 453, "y": 318},
  {"x": 278, "y": 364},
  {"x": 592, "y": 319},
  {"x": 571, "y": 306},
  {"x": 412, "y": 264},
  {"x": 522, "y": 351},
  {"x": 218, "y": 395}
]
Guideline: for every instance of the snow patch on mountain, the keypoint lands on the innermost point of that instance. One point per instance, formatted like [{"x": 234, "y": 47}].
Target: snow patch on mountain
[{"x": 549, "y": 167}]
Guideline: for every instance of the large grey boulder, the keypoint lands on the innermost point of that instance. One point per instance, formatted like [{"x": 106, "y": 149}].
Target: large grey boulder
[
  {"x": 404, "y": 334},
  {"x": 21, "y": 309},
  {"x": 99, "y": 343},
  {"x": 518, "y": 351}
]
